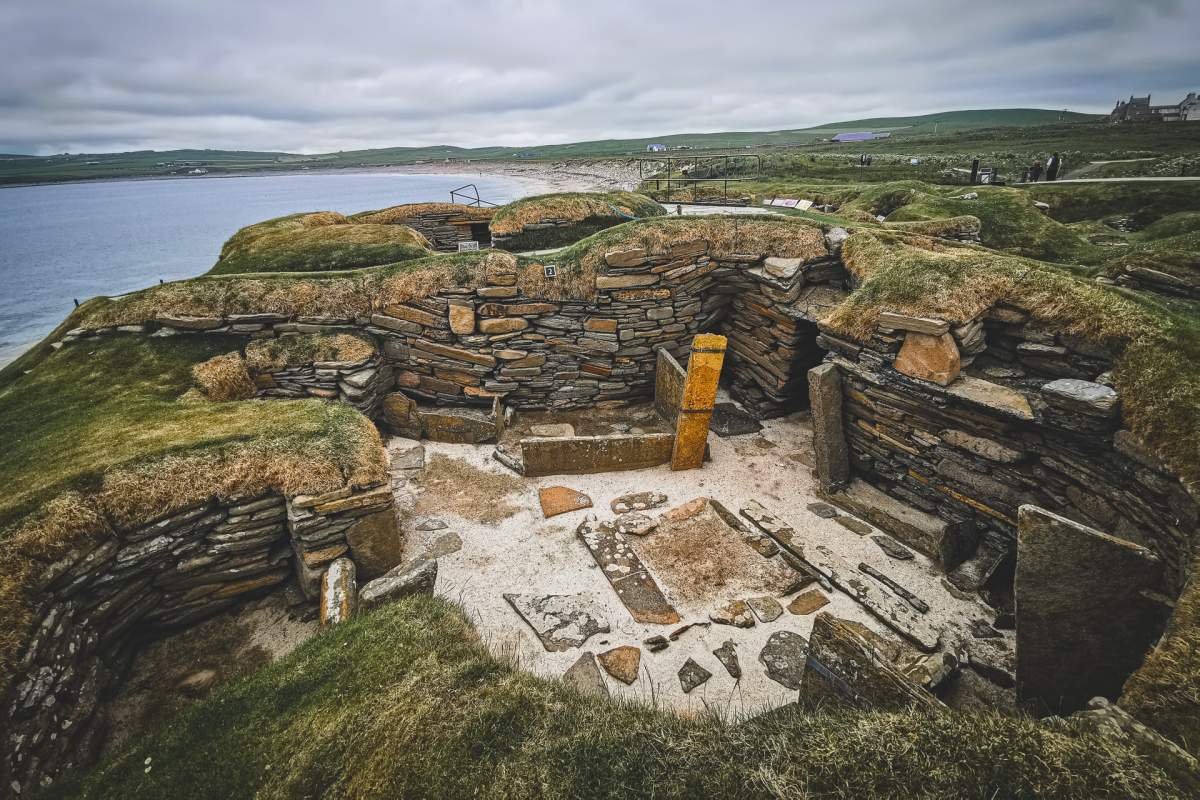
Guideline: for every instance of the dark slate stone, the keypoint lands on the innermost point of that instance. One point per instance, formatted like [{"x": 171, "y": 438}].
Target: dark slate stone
[
  {"x": 784, "y": 656},
  {"x": 729, "y": 420},
  {"x": 893, "y": 548},
  {"x": 692, "y": 675}
]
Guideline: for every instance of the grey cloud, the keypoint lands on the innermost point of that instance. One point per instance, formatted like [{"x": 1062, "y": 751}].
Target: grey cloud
[{"x": 313, "y": 76}]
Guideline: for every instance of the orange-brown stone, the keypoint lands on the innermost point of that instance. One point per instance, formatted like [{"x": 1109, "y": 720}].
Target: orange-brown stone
[
  {"x": 462, "y": 319},
  {"x": 929, "y": 358},
  {"x": 808, "y": 602},
  {"x": 622, "y": 663},
  {"x": 557, "y": 500}
]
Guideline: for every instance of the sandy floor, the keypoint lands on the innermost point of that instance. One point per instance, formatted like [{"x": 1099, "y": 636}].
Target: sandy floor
[{"x": 525, "y": 553}]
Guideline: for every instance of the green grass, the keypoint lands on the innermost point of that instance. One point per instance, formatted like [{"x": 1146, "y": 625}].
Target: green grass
[
  {"x": 404, "y": 702},
  {"x": 291, "y": 244},
  {"x": 97, "y": 405},
  {"x": 588, "y": 212}
]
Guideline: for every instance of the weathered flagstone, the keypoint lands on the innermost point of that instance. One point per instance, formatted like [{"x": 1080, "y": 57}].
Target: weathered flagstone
[
  {"x": 808, "y": 602},
  {"x": 784, "y": 656},
  {"x": 561, "y": 621},
  {"x": 638, "y": 501},
  {"x": 692, "y": 675},
  {"x": 735, "y": 613},
  {"x": 415, "y": 577},
  {"x": 557, "y": 500},
  {"x": 339, "y": 592},
  {"x": 893, "y": 548},
  {"x": 552, "y": 429},
  {"x": 622, "y": 663},
  {"x": 585, "y": 676},
  {"x": 624, "y": 570},
  {"x": 853, "y": 525},
  {"x": 636, "y": 524},
  {"x": 727, "y": 655},
  {"x": 766, "y": 608},
  {"x": 729, "y": 420},
  {"x": 1084, "y": 622},
  {"x": 823, "y": 510}
]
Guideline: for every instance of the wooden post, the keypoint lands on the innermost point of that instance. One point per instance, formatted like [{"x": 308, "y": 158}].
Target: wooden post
[{"x": 696, "y": 407}]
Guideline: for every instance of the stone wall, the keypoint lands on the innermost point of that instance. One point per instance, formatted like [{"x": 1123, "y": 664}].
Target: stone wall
[
  {"x": 1026, "y": 417},
  {"x": 103, "y": 598},
  {"x": 360, "y": 384}
]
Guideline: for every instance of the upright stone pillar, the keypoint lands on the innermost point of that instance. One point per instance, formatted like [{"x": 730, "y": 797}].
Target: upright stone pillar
[
  {"x": 1084, "y": 620},
  {"x": 829, "y": 438},
  {"x": 696, "y": 407}
]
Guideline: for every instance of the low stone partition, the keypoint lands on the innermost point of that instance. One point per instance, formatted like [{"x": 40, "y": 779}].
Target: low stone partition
[
  {"x": 361, "y": 384},
  {"x": 104, "y": 597},
  {"x": 587, "y": 455}
]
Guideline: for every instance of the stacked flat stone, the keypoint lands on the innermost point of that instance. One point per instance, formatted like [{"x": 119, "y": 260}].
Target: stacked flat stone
[
  {"x": 361, "y": 384},
  {"x": 443, "y": 230},
  {"x": 105, "y": 594},
  {"x": 1028, "y": 423}
]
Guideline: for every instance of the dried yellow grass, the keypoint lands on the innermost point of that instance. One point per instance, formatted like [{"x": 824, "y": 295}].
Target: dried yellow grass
[
  {"x": 398, "y": 215},
  {"x": 266, "y": 355},
  {"x": 943, "y": 227},
  {"x": 572, "y": 206},
  {"x": 321, "y": 218},
  {"x": 224, "y": 378}
]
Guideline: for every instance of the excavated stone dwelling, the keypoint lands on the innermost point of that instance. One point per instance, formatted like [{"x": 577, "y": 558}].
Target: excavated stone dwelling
[{"x": 994, "y": 447}]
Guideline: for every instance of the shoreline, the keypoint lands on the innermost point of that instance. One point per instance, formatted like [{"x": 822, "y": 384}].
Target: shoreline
[{"x": 598, "y": 174}]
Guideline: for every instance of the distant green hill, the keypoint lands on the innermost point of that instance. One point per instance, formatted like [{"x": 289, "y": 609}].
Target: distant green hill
[{"x": 150, "y": 163}]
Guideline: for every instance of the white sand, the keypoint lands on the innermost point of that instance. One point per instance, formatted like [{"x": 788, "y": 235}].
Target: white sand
[{"x": 528, "y": 554}]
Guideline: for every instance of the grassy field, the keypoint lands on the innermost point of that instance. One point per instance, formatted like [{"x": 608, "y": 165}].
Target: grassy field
[
  {"x": 67, "y": 167},
  {"x": 405, "y": 702}
]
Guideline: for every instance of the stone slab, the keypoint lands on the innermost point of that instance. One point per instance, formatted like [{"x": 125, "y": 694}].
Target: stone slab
[
  {"x": 829, "y": 437},
  {"x": 669, "y": 377},
  {"x": 557, "y": 500},
  {"x": 634, "y": 584},
  {"x": 622, "y": 663},
  {"x": 1083, "y": 621},
  {"x": 585, "y": 676},
  {"x": 784, "y": 656},
  {"x": 587, "y": 455},
  {"x": 561, "y": 621}
]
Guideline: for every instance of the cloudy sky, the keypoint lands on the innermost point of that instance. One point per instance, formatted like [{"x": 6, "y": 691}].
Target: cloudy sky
[{"x": 316, "y": 76}]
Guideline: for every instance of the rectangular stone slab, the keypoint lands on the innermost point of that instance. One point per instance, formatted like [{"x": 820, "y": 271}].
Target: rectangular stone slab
[
  {"x": 668, "y": 386},
  {"x": 1083, "y": 623},
  {"x": 586, "y": 455},
  {"x": 629, "y": 577}
]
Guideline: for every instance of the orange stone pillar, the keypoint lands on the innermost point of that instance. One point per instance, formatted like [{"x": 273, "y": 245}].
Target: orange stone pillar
[{"x": 699, "y": 394}]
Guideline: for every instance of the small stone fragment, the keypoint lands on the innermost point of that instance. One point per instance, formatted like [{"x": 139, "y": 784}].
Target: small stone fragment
[
  {"x": 557, "y": 500},
  {"x": 727, "y": 655},
  {"x": 735, "y": 613},
  {"x": 784, "y": 656},
  {"x": 729, "y": 420},
  {"x": 444, "y": 545},
  {"x": 638, "y": 501},
  {"x": 585, "y": 676},
  {"x": 823, "y": 510},
  {"x": 637, "y": 524},
  {"x": 980, "y": 629},
  {"x": 893, "y": 548},
  {"x": 656, "y": 644},
  {"x": 686, "y": 511},
  {"x": 431, "y": 524},
  {"x": 681, "y": 630},
  {"x": 197, "y": 683},
  {"x": 853, "y": 525},
  {"x": 1084, "y": 397},
  {"x": 766, "y": 608},
  {"x": 692, "y": 675},
  {"x": 622, "y": 663},
  {"x": 808, "y": 602},
  {"x": 415, "y": 577}
]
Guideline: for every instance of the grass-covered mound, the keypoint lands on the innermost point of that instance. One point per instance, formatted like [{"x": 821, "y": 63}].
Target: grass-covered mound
[
  {"x": 584, "y": 212},
  {"x": 397, "y": 215},
  {"x": 264, "y": 355},
  {"x": 405, "y": 702},
  {"x": 108, "y": 434},
  {"x": 317, "y": 242},
  {"x": 1145, "y": 202}
]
